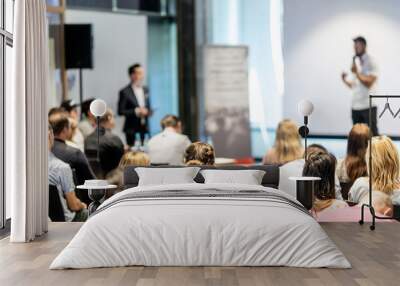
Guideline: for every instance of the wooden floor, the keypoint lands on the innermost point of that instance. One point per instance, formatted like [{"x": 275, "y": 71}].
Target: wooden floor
[{"x": 375, "y": 257}]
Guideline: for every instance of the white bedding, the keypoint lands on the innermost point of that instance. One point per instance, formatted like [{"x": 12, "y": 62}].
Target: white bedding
[{"x": 201, "y": 231}]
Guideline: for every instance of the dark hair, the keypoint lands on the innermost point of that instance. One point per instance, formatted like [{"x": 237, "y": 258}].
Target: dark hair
[
  {"x": 323, "y": 165},
  {"x": 133, "y": 68},
  {"x": 170, "y": 121},
  {"x": 85, "y": 107},
  {"x": 357, "y": 144},
  {"x": 59, "y": 122},
  {"x": 360, "y": 39},
  {"x": 200, "y": 152},
  {"x": 317, "y": 146},
  {"x": 68, "y": 105}
]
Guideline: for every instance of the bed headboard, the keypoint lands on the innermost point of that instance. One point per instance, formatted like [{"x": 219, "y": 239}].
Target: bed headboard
[{"x": 270, "y": 179}]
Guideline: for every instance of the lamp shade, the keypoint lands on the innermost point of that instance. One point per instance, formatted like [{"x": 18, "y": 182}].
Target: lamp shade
[
  {"x": 305, "y": 107},
  {"x": 98, "y": 107}
]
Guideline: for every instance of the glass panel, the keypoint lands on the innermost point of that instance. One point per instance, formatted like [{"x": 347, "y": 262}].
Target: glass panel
[
  {"x": 53, "y": 2},
  {"x": 140, "y": 5},
  {"x": 8, "y": 89},
  {"x": 102, "y": 4},
  {"x": 9, "y": 9},
  {"x": 54, "y": 59}
]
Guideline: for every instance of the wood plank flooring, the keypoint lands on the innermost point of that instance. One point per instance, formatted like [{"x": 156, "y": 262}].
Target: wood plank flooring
[{"x": 375, "y": 257}]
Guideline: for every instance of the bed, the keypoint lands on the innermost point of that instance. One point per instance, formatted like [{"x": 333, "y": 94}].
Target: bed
[{"x": 198, "y": 224}]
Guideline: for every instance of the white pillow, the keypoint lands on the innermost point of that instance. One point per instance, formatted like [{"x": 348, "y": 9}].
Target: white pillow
[
  {"x": 166, "y": 176},
  {"x": 248, "y": 177}
]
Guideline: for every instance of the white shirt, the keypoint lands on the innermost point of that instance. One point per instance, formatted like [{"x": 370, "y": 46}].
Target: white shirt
[
  {"x": 295, "y": 169},
  {"x": 359, "y": 192},
  {"x": 360, "y": 99},
  {"x": 139, "y": 93},
  {"x": 168, "y": 147}
]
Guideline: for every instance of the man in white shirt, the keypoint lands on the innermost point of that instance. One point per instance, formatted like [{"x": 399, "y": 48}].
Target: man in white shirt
[
  {"x": 362, "y": 85},
  {"x": 168, "y": 147},
  {"x": 134, "y": 104}
]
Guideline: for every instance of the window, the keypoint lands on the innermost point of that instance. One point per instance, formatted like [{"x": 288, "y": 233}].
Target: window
[{"x": 6, "y": 42}]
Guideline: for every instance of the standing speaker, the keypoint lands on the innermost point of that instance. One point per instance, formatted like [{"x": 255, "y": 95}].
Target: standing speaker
[{"x": 78, "y": 46}]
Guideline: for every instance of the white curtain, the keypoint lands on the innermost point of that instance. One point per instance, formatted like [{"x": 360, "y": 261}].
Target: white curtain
[{"x": 26, "y": 123}]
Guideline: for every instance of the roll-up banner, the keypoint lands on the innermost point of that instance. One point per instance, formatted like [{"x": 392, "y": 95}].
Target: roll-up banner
[{"x": 226, "y": 91}]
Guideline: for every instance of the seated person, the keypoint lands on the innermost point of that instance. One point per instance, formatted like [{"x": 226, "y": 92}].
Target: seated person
[
  {"x": 72, "y": 110},
  {"x": 287, "y": 146},
  {"x": 168, "y": 146},
  {"x": 385, "y": 172},
  {"x": 131, "y": 158},
  {"x": 199, "y": 153},
  {"x": 323, "y": 165},
  {"x": 381, "y": 202},
  {"x": 57, "y": 111},
  {"x": 110, "y": 145},
  {"x": 354, "y": 166},
  {"x": 60, "y": 175},
  {"x": 88, "y": 124},
  {"x": 295, "y": 169},
  {"x": 70, "y": 155}
]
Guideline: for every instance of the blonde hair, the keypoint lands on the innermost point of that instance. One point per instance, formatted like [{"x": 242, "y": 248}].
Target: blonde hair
[
  {"x": 385, "y": 165},
  {"x": 199, "y": 153},
  {"x": 287, "y": 142},
  {"x": 134, "y": 158}
]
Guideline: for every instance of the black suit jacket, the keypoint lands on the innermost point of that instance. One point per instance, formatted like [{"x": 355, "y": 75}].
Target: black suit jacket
[
  {"x": 75, "y": 158},
  {"x": 111, "y": 149},
  {"x": 126, "y": 107}
]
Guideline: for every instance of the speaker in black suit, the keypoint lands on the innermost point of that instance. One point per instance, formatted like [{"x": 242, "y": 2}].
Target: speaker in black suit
[{"x": 78, "y": 46}]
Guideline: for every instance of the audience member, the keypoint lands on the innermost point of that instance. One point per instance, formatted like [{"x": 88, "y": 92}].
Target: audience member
[
  {"x": 168, "y": 146},
  {"x": 58, "y": 111},
  {"x": 110, "y": 145},
  {"x": 88, "y": 122},
  {"x": 72, "y": 109},
  {"x": 354, "y": 166},
  {"x": 199, "y": 153},
  {"x": 131, "y": 158},
  {"x": 295, "y": 169},
  {"x": 385, "y": 172},
  {"x": 382, "y": 203},
  {"x": 323, "y": 165},
  {"x": 60, "y": 175},
  {"x": 287, "y": 146},
  {"x": 73, "y": 156}
]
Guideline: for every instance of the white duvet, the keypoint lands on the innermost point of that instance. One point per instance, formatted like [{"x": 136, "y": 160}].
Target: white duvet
[{"x": 193, "y": 231}]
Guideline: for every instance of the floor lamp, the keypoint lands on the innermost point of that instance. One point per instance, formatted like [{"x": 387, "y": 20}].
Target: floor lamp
[
  {"x": 98, "y": 108},
  {"x": 305, "y": 108}
]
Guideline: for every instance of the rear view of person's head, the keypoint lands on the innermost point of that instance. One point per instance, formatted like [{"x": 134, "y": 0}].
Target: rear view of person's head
[
  {"x": 134, "y": 158},
  {"x": 171, "y": 121},
  {"x": 61, "y": 126},
  {"x": 85, "y": 108},
  {"x": 322, "y": 165},
  {"x": 199, "y": 153},
  {"x": 107, "y": 121},
  {"x": 71, "y": 107},
  {"x": 288, "y": 142},
  {"x": 316, "y": 148},
  {"x": 357, "y": 144},
  {"x": 385, "y": 164}
]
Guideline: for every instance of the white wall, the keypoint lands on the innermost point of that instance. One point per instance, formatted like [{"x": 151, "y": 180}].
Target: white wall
[
  {"x": 318, "y": 47},
  {"x": 119, "y": 41}
]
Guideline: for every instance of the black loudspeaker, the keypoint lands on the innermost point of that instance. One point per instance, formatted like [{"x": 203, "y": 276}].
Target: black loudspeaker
[{"x": 78, "y": 46}]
